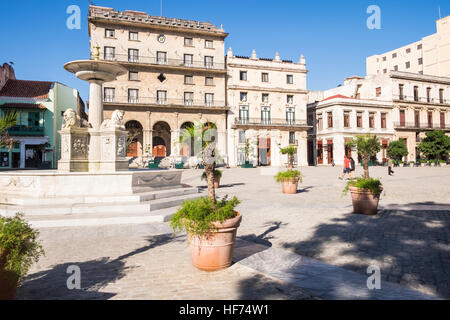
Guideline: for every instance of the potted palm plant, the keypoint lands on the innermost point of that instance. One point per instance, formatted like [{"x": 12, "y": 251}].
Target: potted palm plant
[
  {"x": 211, "y": 225},
  {"x": 290, "y": 178},
  {"x": 247, "y": 150},
  {"x": 217, "y": 177},
  {"x": 19, "y": 248},
  {"x": 365, "y": 190}
]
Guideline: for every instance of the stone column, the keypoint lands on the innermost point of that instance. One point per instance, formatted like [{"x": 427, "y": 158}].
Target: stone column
[
  {"x": 302, "y": 153},
  {"x": 95, "y": 119}
]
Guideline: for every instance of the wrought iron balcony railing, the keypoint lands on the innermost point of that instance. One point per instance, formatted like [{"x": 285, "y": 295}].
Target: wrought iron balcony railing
[
  {"x": 270, "y": 122},
  {"x": 164, "y": 101},
  {"x": 421, "y": 99},
  {"x": 423, "y": 126},
  {"x": 21, "y": 130}
]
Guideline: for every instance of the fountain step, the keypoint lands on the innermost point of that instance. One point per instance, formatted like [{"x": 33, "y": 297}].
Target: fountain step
[{"x": 136, "y": 207}]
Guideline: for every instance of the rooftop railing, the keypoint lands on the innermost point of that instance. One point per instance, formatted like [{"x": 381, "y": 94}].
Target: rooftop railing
[
  {"x": 270, "y": 122},
  {"x": 164, "y": 101},
  {"x": 421, "y": 99},
  {"x": 423, "y": 126}
]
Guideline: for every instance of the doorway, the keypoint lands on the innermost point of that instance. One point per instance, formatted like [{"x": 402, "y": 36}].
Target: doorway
[{"x": 264, "y": 152}]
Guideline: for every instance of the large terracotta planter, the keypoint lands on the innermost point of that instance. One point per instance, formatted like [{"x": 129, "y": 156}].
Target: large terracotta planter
[
  {"x": 216, "y": 183},
  {"x": 290, "y": 186},
  {"x": 364, "y": 202},
  {"x": 7, "y": 286},
  {"x": 215, "y": 251}
]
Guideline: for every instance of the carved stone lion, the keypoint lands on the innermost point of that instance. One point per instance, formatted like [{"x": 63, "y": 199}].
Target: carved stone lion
[
  {"x": 72, "y": 120},
  {"x": 116, "y": 121}
]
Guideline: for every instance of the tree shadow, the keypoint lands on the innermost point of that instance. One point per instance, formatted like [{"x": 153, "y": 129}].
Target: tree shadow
[
  {"x": 411, "y": 247},
  {"x": 304, "y": 190},
  {"x": 95, "y": 275}
]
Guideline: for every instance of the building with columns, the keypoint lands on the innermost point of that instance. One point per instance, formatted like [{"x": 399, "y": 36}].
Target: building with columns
[
  {"x": 176, "y": 76},
  {"x": 267, "y": 100},
  {"x": 393, "y": 106},
  {"x": 430, "y": 55}
]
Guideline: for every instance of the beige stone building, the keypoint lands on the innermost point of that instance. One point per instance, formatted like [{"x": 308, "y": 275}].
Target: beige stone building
[
  {"x": 393, "y": 106},
  {"x": 267, "y": 99},
  {"x": 429, "y": 56},
  {"x": 176, "y": 76}
]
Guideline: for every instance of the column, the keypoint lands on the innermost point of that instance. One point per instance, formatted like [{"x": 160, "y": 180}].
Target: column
[
  {"x": 95, "y": 119},
  {"x": 302, "y": 152},
  {"x": 22, "y": 155}
]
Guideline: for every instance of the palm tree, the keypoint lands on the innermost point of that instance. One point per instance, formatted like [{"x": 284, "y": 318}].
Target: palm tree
[
  {"x": 368, "y": 146},
  {"x": 7, "y": 121}
]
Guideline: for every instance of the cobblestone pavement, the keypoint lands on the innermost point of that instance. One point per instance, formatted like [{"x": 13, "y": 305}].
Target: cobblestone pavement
[{"x": 120, "y": 262}]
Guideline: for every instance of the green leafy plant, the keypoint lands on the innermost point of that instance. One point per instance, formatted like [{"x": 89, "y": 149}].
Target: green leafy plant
[
  {"x": 19, "y": 247},
  {"x": 217, "y": 175},
  {"x": 288, "y": 175},
  {"x": 7, "y": 121},
  {"x": 436, "y": 145},
  {"x": 198, "y": 216},
  {"x": 368, "y": 146},
  {"x": 290, "y": 151},
  {"x": 372, "y": 184},
  {"x": 397, "y": 150}
]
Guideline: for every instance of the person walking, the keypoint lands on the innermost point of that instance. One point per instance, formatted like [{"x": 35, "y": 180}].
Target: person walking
[
  {"x": 352, "y": 168},
  {"x": 390, "y": 164},
  {"x": 347, "y": 169}
]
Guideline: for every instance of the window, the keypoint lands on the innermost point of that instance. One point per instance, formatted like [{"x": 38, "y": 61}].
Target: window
[
  {"x": 290, "y": 79},
  {"x": 188, "y": 98},
  {"x": 319, "y": 122},
  {"x": 290, "y": 99},
  {"x": 4, "y": 159},
  {"x": 290, "y": 116},
  {"x": 420, "y": 61},
  {"x": 161, "y": 57},
  {"x": 188, "y": 42},
  {"x": 330, "y": 119},
  {"x": 209, "y": 62},
  {"x": 110, "y": 33},
  {"x": 188, "y": 60},
  {"x": 400, "y": 91},
  {"x": 395, "y": 68},
  {"x": 419, "y": 47},
  {"x": 384, "y": 58},
  {"x": 416, "y": 93},
  {"x": 442, "y": 120},
  {"x": 133, "y": 95},
  {"x": 209, "y": 99},
  {"x": 265, "y": 115},
  {"x": 408, "y": 65},
  {"x": 346, "y": 119},
  {"x": 378, "y": 91},
  {"x": 430, "y": 119},
  {"x": 243, "y": 97},
  {"x": 133, "y": 76},
  {"x": 402, "y": 118},
  {"x": 292, "y": 138},
  {"x": 209, "y": 44},
  {"x": 384, "y": 70},
  {"x": 243, "y": 75},
  {"x": 408, "y": 50},
  {"x": 383, "y": 120},
  {"x": 265, "y": 77},
  {"x": 394, "y": 55},
  {"x": 209, "y": 81},
  {"x": 109, "y": 94},
  {"x": 134, "y": 36},
  {"x": 265, "y": 97},
  {"x": 188, "y": 79},
  {"x": 241, "y": 136},
  {"x": 110, "y": 53},
  {"x": 133, "y": 55},
  {"x": 441, "y": 96},
  {"x": 161, "y": 97},
  {"x": 243, "y": 115},
  {"x": 359, "y": 123},
  {"x": 417, "y": 118},
  {"x": 371, "y": 120}
]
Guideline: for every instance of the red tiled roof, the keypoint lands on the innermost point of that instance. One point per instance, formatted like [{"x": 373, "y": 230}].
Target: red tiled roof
[
  {"x": 23, "y": 106},
  {"x": 338, "y": 96},
  {"x": 26, "y": 89}
]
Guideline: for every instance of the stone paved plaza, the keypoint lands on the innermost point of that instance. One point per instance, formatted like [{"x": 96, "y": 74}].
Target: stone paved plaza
[{"x": 409, "y": 240}]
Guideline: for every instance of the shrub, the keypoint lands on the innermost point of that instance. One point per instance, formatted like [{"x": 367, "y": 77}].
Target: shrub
[
  {"x": 198, "y": 216},
  {"x": 217, "y": 175},
  {"x": 19, "y": 247},
  {"x": 288, "y": 175},
  {"x": 374, "y": 185},
  {"x": 290, "y": 151}
]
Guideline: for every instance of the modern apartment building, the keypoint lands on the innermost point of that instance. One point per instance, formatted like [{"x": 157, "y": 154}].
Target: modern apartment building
[
  {"x": 267, "y": 99},
  {"x": 176, "y": 76},
  {"x": 393, "y": 106},
  {"x": 428, "y": 56}
]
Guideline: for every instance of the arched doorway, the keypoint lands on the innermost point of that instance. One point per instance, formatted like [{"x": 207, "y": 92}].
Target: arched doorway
[
  {"x": 135, "y": 138},
  {"x": 161, "y": 140},
  {"x": 187, "y": 148}
]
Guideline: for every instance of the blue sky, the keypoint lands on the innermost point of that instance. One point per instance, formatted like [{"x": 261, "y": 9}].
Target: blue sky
[{"x": 331, "y": 34}]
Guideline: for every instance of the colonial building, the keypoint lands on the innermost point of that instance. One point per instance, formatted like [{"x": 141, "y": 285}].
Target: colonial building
[
  {"x": 267, "y": 99},
  {"x": 429, "y": 56},
  {"x": 393, "y": 106},
  {"x": 39, "y": 106},
  {"x": 176, "y": 76}
]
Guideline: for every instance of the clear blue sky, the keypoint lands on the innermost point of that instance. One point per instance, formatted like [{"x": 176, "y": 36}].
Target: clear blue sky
[{"x": 331, "y": 34}]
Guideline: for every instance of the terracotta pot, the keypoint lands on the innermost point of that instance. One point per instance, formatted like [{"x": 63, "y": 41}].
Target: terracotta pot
[
  {"x": 364, "y": 202},
  {"x": 7, "y": 286},
  {"x": 290, "y": 186},
  {"x": 215, "y": 251},
  {"x": 216, "y": 183}
]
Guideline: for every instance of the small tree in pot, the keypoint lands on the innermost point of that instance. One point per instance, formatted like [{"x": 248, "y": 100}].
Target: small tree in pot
[
  {"x": 19, "y": 248},
  {"x": 211, "y": 225},
  {"x": 365, "y": 191},
  {"x": 217, "y": 177},
  {"x": 289, "y": 179}
]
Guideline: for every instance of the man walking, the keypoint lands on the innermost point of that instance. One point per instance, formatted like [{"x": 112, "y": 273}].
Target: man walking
[
  {"x": 390, "y": 164},
  {"x": 352, "y": 168},
  {"x": 347, "y": 169}
]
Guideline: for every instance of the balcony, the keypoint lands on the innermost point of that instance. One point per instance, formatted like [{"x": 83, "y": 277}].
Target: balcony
[
  {"x": 165, "y": 102},
  {"x": 21, "y": 130},
  {"x": 420, "y": 126},
  {"x": 162, "y": 62},
  {"x": 270, "y": 123},
  {"x": 416, "y": 99}
]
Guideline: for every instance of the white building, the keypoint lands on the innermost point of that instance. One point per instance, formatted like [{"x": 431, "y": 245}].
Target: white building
[
  {"x": 267, "y": 100},
  {"x": 429, "y": 56}
]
